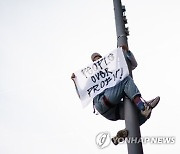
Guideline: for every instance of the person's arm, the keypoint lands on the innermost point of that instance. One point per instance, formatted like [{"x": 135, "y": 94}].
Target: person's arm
[
  {"x": 73, "y": 78},
  {"x": 129, "y": 55}
]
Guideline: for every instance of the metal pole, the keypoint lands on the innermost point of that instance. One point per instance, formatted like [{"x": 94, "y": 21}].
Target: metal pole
[{"x": 130, "y": 111}]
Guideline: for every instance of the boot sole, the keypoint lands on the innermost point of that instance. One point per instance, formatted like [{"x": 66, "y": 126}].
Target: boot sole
[
  {"x": 157, "y": 99},
  {"x": 120, "y": 137}
]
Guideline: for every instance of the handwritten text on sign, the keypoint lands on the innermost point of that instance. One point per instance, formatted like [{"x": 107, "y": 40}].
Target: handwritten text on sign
[{"x": 100, "y": 75}]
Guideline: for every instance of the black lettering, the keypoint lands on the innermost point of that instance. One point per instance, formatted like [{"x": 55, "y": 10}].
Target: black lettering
[
  {"x": 89, "y": 91},
  {"x": 83, "y": 72},
  {"x": 117, "y": 72},
  {"x": 99, "y": 63},
  {"x": 114, "y": 77},
  {"x": 111, "y": 57},
  {"x": 89, "y": 70},
  {"x": 107, "y": 80},
  {"x": 107, "y": 72},
  {"x": 102, "y": 74},
  {"x": 121, "y": 73},
  {"x": 105, "y": 61},
  {"x": 94, "y": 67},
  {"x": 94, "y": 88},
  {"x": 93, "y": 79},
  {"x": 102, "y": 84},
  {"x": 97, "y": 75}
]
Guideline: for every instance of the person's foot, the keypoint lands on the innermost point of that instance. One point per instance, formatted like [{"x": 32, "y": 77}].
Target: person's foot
[
  {"x": 122, "y": 133},
  {"x": 146, "y": 112},
  {"x": 120, "y": 136},
  {"x": 149, "y": 105},
  {"x": 152, "y": 103}
]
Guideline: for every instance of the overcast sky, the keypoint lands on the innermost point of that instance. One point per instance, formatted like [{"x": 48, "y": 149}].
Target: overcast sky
[{"x": 42, "y": 42}]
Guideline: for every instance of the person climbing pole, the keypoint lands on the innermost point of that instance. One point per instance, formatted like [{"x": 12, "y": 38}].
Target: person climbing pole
[{"x": 110, "y": 104}]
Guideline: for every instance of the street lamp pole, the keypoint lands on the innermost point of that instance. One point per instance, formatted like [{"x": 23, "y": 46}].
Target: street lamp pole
[{"x": 130, "y": 111}]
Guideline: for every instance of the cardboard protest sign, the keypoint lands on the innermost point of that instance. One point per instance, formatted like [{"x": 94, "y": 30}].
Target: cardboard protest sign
[{"x": 99, "y": 75}]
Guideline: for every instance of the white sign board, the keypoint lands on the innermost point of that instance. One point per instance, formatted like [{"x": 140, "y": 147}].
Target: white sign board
[{"x": 99, "y": 75}]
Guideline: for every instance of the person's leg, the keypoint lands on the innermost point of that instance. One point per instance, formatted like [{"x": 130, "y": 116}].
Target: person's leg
[
  {"x": 133, "y": 93},
  {"x": 131, "y": 90},
  {"x": 139, "y": 103},
  {"x": 114, "y": 113},
  {"x": 116, "y": 93},
  {"x": 126, "y": 87}
]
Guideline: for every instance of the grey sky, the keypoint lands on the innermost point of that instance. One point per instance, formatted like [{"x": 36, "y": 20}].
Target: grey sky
[{"x": 43, "y": 42}]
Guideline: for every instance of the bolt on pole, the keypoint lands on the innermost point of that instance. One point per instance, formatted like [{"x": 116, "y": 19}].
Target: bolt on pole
[{"x": 130, "y": 111}]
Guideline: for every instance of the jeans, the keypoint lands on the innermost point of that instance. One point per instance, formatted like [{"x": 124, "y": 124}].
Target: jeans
[{"x": 115, "y": 95}]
